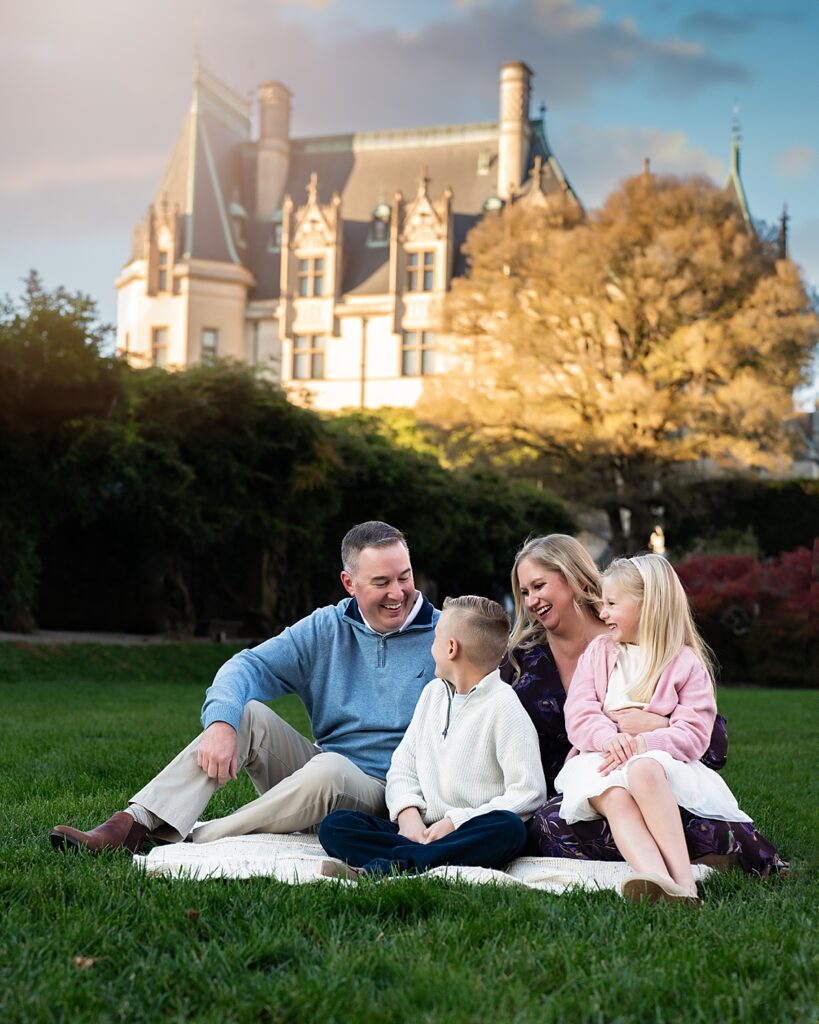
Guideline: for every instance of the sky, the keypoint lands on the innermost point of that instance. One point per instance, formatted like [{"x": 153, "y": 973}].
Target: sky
[{"x": 95, "y": 93}]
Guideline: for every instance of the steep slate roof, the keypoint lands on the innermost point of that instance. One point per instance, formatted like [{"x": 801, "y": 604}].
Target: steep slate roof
[
  {"x": 206, "y": 174},
  {"x": 368, "y": 168},
  {"x": 213, "y": 167}
]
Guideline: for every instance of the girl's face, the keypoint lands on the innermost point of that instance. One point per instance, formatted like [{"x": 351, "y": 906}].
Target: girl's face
[
  {"x": 546, "y": 595},
  {"x": 620, "y": 613}
]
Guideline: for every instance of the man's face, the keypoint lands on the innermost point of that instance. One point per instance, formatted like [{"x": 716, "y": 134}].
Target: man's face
[{"x": 383, "y": 586}]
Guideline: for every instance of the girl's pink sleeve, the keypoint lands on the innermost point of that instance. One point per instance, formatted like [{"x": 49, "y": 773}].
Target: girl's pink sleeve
[
  {"x": 587, "y": 725},
  {"x": 692, "y": 720}
]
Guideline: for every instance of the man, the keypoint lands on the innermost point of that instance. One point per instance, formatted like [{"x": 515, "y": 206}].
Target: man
[{"x": 359, "y": 668}]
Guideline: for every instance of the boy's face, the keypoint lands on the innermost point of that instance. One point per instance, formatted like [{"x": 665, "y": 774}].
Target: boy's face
[{"x": 441, "y": 644}]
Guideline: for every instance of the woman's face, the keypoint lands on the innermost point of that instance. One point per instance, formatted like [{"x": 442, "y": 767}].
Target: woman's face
[{"x": 546, "y": 595}]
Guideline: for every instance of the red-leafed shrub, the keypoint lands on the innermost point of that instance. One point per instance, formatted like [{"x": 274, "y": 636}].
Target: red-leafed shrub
[{"x": 757, "y": 615}]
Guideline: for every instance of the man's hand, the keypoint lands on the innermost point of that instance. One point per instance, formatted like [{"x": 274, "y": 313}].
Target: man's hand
[
  {"x": 618, "y": 749},
  {"x": 216, "y": 755},
  {"x": 411, "y": 825},
  {"x": 633, "y": 721},
  {"x": 439, "y": 830}
]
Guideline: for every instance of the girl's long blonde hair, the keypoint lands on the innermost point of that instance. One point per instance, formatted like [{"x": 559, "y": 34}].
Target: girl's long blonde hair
[
  {"x": 560, "y": 553},
  {"x": 666, "y": 622}
]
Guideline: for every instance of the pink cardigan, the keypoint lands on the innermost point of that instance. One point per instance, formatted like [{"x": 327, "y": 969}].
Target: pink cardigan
[{"x": 684, "y": 695}]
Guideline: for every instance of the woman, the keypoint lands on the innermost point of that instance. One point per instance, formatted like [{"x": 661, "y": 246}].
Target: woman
[{"x": 556, "y": 587}]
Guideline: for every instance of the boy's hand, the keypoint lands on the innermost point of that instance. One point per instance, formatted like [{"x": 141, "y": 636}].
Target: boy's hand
[
  {"x": 439, "y": 830},
  {"x": 411, "y": 825},
  {"x": 618, "y": 749}
]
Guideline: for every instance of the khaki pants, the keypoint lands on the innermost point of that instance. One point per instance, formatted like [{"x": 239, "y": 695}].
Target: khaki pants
[{"x": 298, "y": 784}]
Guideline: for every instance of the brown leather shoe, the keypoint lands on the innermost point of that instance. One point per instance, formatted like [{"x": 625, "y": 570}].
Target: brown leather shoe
[{"x": 119, "y": 832}]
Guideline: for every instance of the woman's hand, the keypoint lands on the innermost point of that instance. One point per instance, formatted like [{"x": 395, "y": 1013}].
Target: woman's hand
[
  {"x": 633, "y": 721},
  {"x": 618, "y": 749}
]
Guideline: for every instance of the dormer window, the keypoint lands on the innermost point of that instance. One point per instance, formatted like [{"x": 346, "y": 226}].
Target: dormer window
[
  {"x": 310, "y": 277},
  {"x": 379, "y": 234},
  {"x": 420, "y": 271},
  {"x": 162, "y": 276},
  {"x": 484, "y": 162},
  {"x": 238, "y": 219}
]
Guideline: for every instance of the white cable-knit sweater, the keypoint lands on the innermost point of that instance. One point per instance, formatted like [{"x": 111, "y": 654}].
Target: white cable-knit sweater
[{"x": 485, "y": 758}]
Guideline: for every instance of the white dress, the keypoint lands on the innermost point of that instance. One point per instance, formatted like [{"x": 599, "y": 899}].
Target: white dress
[{"x": 698, "y": 789}]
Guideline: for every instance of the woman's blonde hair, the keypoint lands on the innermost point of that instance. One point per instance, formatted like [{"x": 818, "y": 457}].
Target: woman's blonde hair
[
  {"x": 560, "y": 553},
  {"x": 666, "y": 622}
]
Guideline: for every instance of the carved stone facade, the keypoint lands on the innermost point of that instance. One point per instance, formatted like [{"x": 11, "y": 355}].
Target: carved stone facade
[{"x": 323, "y": 260}]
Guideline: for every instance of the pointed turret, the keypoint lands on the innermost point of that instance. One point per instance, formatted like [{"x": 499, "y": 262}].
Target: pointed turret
[{"x": 734, "y": 186}]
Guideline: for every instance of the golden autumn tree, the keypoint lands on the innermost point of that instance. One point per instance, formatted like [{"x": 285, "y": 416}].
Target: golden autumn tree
[{"x": 612, "y": 349}]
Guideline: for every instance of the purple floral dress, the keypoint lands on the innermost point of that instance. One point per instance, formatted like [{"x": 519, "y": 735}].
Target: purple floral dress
[{"x": 541, "y": 693}]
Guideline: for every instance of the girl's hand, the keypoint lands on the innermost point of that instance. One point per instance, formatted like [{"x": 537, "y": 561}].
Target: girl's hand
[
  {"x": 633, "y": 721},
  {"x": 618, "y": 749}
]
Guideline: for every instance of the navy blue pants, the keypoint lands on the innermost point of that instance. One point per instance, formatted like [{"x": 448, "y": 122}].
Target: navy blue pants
[{"x": 364, "y": 841}]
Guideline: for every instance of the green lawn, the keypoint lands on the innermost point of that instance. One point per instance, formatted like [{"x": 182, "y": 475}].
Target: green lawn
[{"x": 83, "y": 727}]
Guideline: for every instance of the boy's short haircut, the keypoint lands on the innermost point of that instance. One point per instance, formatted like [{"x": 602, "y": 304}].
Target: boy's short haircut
[
  {"x": 484, "y": 626},
  {"x": 372, "y": 534}
]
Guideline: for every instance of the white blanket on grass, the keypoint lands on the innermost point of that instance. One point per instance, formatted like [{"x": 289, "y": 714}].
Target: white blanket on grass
[{"x": 297, "y": 858}]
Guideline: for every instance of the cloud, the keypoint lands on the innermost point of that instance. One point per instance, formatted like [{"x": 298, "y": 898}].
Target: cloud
[
  {"x": 39, "y": 174},
  {"x": 717, "y": 24},
  {"x": 597, "y": 158},
  {"x": 96, "y": 92},
  {"x": 797, "y": 162}
]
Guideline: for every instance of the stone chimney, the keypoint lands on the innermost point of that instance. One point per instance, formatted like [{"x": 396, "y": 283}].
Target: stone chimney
[
  {"x": 273, "y": 147},
  {"x": 515, "y": 130}
]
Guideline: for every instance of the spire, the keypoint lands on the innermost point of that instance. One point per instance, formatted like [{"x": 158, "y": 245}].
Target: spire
[
  {"x": 736, "y": 139},
  {"x": 783, "y": 232},
  {"x": 734, "y": 186}
]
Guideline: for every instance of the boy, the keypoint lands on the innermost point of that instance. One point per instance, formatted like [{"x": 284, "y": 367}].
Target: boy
[{"x": 467, "y": 771}]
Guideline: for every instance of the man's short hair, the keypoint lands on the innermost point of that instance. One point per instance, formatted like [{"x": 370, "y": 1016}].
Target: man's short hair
[
  {"x": 483, "y": 628},
  {"x": 372, "y": 534}
]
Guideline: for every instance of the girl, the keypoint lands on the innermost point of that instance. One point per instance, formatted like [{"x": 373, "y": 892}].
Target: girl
[{"x": 650, "y": 658}]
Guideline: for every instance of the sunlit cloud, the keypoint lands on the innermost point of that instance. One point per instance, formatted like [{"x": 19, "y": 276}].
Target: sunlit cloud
[{"x": 797, "y": 162}]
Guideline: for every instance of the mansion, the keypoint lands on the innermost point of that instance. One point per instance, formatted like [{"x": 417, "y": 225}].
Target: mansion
[
  {"x": 322, "y": 260},
  {"x": 325, "y": 260}
]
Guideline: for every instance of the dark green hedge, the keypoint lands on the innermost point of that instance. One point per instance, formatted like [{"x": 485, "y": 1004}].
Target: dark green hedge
[
  {"x": 145, "y": 500},
  {"x": 779, "y": 515}
]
